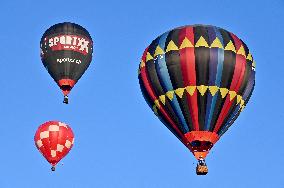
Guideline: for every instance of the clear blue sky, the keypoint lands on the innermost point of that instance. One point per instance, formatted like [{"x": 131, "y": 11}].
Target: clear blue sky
[{"x": 119, "y": 142}]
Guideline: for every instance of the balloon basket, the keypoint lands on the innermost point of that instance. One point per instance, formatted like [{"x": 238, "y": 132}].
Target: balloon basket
[
  {"x": 65, "y": 100},
  {"x": 53, "y": 168},
  {"x": 201, "y": 168}
]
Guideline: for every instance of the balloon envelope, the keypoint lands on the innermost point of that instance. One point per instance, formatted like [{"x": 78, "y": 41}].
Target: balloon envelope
[
  {"x": 197, "y": 79},
  {"x": 66, "y": 53},
  {"x": 54, "y": 140}
]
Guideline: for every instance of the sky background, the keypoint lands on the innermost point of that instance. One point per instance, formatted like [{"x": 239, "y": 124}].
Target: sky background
[{"x": 119, "y": 142}]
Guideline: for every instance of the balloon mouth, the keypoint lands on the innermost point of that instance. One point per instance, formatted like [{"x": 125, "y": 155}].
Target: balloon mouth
[
  {"x": 200, "y": 149},
  {"x": 66, "y": 85},
  {"x": 52, "y": 161},
  {"x": 197, "y": 145},
  {"x": 200, "y": 142}
]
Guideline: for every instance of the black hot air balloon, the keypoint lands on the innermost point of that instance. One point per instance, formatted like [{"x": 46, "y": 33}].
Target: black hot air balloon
[
  {"x": 197, "y": 79},
  {"x": 66, "y": 53}
]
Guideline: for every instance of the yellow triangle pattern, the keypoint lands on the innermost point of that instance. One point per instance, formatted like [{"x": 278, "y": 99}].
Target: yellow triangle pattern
[
  {"x": 142, "y": 64},
  {"x": 149, "y": 57},
  {"x": 202, "y": 89},
  {"x": 241, "y": 51},
  {"x": 242, "y": 103},
  {"x": 186, "y": 44},
  {"x": 253, "y": 63},
  {"x": 170, "y": 94},
  {"x": 155, "y": 110},
  {"x": 213, "y": 90},
  {"x": 230, "y": 46},
  {"x": 179, "y": 92},
  {"x": 157, "y": 103},
  {"x": 190, "y": 90},
  {"x": 239, "y": 98},
  {"x": 232, "y": 95},
  {"x": 159, "y": 51},
  {"x": 249, "y": 57},
  {"x": 171, "y": 46},
  {"x": 216, "y": 44},
  {"x": 223, "y": 92},
  {"x": 201, "y": 42},
  {"x": 163, "y": 99}
]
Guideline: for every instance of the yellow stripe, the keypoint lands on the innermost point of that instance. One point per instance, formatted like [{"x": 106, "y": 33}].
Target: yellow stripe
[
  {"x": 159, "y": 51},
  {"x": 157, "y": 103},
  {"x": 241, "y": 51},
  {"x": 230, "y": 46},
  {"x": 224, "y": 92},
  {"x": 216, "y": 44},
  {"x": 179, "y": 92},
  {"x": 201, "y": 90},
  {"x": 253, "y": 63},
  {"x": 186, "y": 44},
  {"x": 142, "y": 64},
  {"x": 155, "y": 110},
  {"x": 149, "y": 57},
  {"x": 170, "y": 94},
  {"x": 171, "y": 46},
  {"x": 190, "y": 89},
  {"x": 162, "y": 99},
  {"x": 213, "y": 90},
  {"x": 249, "y": 57},
  {"x": 201, "y": 42},
  {"x": 239, "y": 98},
  {"x": 232, "y": 95}
]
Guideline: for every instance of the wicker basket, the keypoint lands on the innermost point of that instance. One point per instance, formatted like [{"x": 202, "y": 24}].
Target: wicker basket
[{"x": 201, "y": 170}]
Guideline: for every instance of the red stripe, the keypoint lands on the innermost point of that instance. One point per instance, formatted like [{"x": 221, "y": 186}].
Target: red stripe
[
  {"x": 235, "y": 84},
  {"x": 187, "y": 61},
  {"x": 69, "y": 42},
  {"x": 64, "y": 135},
  {"x": 151, "y": 93},
  {"x": 239, "y": 68},
  {"x": 53, "y": 138},
  {"x": 242, "y": 59},
  {"x": 61, "y": 139},
  {"x": 45, "y": 148}
]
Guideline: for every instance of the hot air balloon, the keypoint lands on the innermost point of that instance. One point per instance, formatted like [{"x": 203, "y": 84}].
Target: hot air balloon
[
  {"x": 54, "y": 140},
  {"x": 66, "y": 53},
  {"x": 197, "y": 79}
]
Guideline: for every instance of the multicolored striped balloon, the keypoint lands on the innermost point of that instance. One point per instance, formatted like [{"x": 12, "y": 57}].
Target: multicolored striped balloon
[{"x": 197, "y": 79}]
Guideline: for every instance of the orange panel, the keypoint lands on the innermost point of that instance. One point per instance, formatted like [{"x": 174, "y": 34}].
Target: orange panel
[
  {"x": 66, "y": 82},
  {"x": 202, "y": 136}
]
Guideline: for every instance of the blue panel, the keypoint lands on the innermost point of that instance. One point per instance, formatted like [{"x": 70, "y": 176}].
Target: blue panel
[
  {"x": 216, "y": 57},
  {"x": 164, "y": 77},
  {"x": 230, "y": 121},
  {"x": 250, "y": 85},
  {"x": 246, "y": 94}
]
